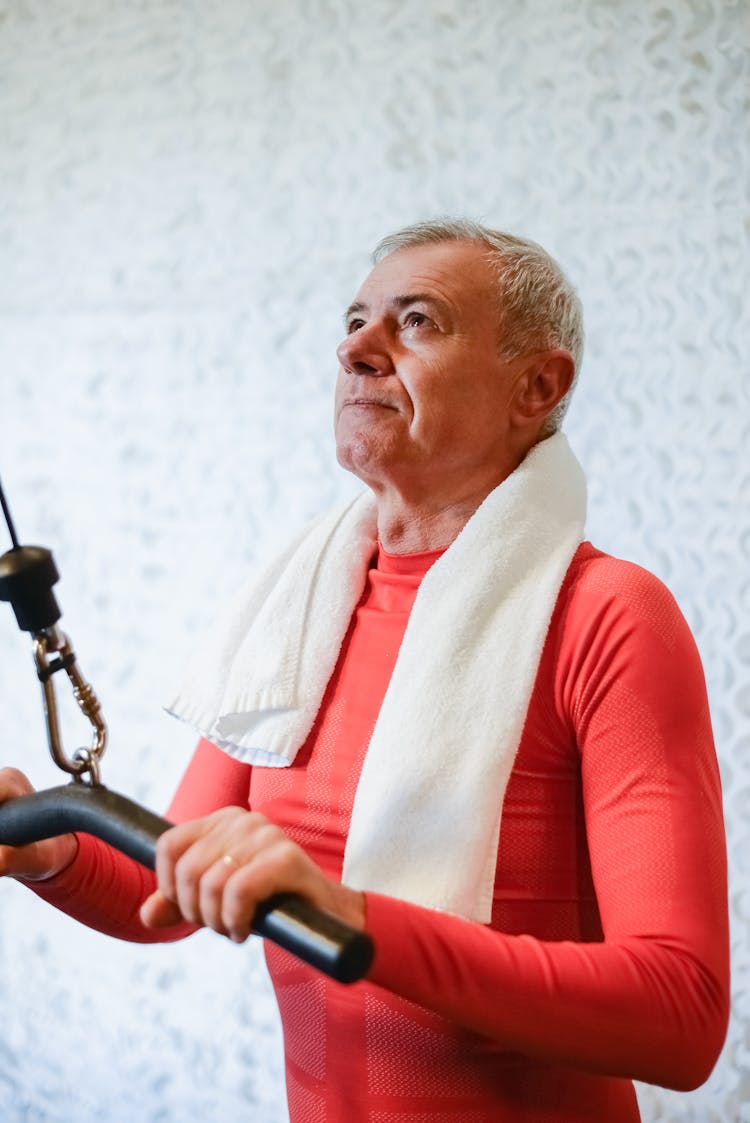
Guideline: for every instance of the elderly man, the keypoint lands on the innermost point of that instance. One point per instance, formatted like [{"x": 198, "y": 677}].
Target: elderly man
[{"x": 443, "y": 718}]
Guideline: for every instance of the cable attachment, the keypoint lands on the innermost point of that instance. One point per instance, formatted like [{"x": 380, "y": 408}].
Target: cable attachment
[
  {"x": 27, "y": 574},
  {"x": 52, "y": 653}
]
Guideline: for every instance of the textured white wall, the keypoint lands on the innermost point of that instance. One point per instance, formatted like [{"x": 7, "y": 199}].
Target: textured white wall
[{"x": 188, "y": 191}]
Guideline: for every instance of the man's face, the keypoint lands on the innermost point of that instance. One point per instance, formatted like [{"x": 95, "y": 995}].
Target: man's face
[{"x": 423, "y": 395}]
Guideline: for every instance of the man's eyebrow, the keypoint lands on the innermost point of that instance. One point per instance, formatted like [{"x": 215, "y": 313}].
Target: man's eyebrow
[
  {"x": 417, "y": 298},
  {"x": 400, "y": 302},
  {"x": 356, "y": 306}
]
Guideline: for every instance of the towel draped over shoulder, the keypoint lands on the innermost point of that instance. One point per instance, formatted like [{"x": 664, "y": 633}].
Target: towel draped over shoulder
[{"x": 426, "y": 818}]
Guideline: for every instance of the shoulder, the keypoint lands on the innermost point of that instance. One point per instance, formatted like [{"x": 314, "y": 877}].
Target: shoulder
[
  {"x": 614, "y": 593},
  {"x": 595, "y": 573},
  {"x": 614, "y": 624},
  {"x": 619, "y": 646}
]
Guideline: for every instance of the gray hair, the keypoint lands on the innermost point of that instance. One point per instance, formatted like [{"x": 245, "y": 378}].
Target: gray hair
[{"x": 539, "y": 307}]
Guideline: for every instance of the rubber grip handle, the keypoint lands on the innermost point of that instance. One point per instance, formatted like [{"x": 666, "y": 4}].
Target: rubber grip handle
[{"x": 341, "y": 952}]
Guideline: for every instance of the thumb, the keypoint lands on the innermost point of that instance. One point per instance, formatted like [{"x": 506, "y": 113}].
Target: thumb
[{"x": 159, "y": 912}]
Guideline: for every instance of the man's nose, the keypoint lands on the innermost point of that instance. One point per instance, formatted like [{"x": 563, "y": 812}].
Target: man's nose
[{"x": 366, "y": 351}]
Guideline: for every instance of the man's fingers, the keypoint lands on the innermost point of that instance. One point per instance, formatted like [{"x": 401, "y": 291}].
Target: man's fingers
[
  {"x": 279, "y": 867},
  {"x": 180, "y": 846},
  {"x": 195, "y": 859},
  {"x": 211, "y": 892},
  {"x": 216, "y": 870},
  {"x": 13, "y": 784},
  {"x": 213, "y": 871},
  {"x": 169, "y": 849}
]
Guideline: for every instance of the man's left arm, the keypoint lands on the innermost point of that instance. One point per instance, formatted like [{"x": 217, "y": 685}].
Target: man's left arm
[{"x": 651, "y": 1001}]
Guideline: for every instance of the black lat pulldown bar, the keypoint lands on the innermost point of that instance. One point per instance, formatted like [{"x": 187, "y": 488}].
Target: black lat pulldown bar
[
  {"x": 27, "y": 574},
  {"x": 321, "y": 940}
]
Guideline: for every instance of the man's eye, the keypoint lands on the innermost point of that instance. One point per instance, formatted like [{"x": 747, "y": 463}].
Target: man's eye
[
  {"x": 416, "y": 320},
  {"x": 354, "y": 325}
]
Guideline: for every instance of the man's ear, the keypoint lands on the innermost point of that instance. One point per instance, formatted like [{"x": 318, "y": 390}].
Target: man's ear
[{"x": 543, "y": 383}]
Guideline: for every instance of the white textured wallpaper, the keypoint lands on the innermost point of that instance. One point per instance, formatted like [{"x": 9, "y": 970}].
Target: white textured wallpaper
[{"x": 188, "y": 195}]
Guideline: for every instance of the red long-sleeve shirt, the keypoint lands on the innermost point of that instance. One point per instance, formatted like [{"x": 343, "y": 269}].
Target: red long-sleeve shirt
[{"x": 607, "y": 954}]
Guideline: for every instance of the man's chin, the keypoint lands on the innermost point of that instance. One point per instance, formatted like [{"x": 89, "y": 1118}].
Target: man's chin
[{"x": 364, "y": 458}]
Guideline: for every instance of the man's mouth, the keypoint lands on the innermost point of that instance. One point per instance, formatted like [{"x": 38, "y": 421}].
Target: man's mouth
[{"x": 367, "y": 402}]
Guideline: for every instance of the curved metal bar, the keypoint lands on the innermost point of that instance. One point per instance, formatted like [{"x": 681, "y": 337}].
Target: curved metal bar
[{"x": 321, "y": 940}]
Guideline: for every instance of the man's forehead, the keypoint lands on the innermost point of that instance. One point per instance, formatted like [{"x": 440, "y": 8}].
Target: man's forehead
[{"x": 444, "y": 270}]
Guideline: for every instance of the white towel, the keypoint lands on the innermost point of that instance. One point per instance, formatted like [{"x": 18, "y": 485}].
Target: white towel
[{"x": 426, "y": 818}]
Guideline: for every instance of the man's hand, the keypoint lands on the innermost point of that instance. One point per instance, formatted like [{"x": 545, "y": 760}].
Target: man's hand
[
  {"x": 214, "y": 872},
  {"x": 38, "y": 860}
]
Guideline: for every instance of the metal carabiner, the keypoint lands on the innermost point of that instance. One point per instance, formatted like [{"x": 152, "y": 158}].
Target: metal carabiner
[
  {"x": 85, "y": 761},
  {"x": 27, "y": 576}
]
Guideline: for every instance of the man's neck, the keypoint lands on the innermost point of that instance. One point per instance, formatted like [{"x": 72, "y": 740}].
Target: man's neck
[
  {"x": 408, "y": 525},
  {"x": 417, "y": 513},
  {"x": 403, "y": 532}
]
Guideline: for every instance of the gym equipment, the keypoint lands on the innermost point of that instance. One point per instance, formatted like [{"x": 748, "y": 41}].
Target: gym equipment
[{"x": 27, "y": 577}]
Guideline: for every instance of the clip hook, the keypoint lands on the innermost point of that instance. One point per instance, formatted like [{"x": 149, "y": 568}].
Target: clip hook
[
  {"x": 27, "y": 574},
  {"x": 85, "y": 760}
]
